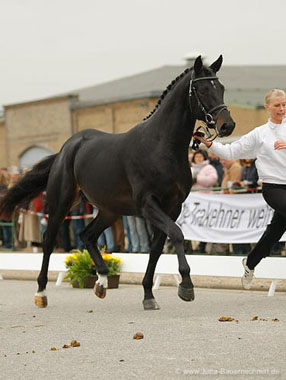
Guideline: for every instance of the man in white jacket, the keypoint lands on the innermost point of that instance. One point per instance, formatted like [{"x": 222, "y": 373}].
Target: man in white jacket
[{"x": 266, "y": 143}]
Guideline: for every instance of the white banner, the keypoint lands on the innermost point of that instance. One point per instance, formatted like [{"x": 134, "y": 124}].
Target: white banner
[{"x": 225, "y": 218}]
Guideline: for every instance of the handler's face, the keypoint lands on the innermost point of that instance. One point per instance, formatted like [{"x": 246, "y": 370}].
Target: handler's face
[{"x": 276, "y": 109}]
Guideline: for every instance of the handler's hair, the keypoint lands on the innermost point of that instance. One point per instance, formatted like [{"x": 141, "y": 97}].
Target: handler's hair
[{"x": 274, "y": 92}]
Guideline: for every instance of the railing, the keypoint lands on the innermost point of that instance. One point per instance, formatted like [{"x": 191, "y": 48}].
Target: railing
[{"x": 228, "y": 190}]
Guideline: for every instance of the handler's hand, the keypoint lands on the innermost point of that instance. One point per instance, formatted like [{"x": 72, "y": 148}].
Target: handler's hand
[
  {"x": 278, "y": 145},
  {"x": 202, "y": 140}
]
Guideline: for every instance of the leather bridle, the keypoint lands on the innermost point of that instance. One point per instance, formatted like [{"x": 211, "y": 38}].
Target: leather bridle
[{"x": 209, "y": 119}]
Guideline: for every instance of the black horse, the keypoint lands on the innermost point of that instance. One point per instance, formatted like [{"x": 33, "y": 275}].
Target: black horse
[{"x": 144, "y": 172}]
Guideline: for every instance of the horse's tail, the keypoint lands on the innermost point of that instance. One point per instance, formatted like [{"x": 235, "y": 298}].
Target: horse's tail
[{"x": 27, "y": 188}]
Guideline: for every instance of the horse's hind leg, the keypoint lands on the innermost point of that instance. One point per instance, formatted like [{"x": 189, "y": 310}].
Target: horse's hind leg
[
  {"x": 48, "y": 246},
  {"x": 149, "y": 302},
  {"x": 60, "y": 195},
  {"x": 89, "y": 236}
]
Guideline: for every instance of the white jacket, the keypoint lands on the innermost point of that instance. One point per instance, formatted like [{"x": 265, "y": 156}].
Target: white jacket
[{"x": 259, "y": 143}]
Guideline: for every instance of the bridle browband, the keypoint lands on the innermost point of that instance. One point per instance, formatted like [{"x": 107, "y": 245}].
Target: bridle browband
[{"x": 209, "y": 120}]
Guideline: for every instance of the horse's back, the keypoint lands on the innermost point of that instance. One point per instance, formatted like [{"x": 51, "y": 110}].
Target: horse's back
[{"x": 99, "y": 169}]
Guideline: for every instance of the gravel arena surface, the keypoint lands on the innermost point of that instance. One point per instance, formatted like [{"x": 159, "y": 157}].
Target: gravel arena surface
[{"x": 181, "y": 340}]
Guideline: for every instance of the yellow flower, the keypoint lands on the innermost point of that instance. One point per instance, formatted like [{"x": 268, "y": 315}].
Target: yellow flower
[
  {"x": 68, "y": 259},
  {"x": 108, "y": 257}
]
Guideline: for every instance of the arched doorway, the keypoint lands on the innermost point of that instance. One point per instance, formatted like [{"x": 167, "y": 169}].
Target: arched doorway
[{"x": 33, "y": 155}]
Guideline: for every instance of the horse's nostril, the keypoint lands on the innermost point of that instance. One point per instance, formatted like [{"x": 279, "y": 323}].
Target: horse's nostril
[{"x": 223, "y": 128}]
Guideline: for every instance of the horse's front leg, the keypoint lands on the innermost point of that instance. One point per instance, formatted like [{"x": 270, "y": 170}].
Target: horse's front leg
[
  {"x": 149, "y": 302},
  {"x": 153, "y": 212}
]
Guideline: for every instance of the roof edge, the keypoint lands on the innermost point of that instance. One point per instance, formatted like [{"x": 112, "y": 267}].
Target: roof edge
[
  {"x": 47, "y": 99},
  {"x": 115, "y": 99}
]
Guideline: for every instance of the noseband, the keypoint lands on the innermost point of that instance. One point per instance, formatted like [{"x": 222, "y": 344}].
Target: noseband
[{"x": 209, "y": 120}]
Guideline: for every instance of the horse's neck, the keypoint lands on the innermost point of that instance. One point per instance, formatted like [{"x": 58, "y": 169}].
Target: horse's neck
[{"x": 173, "y": 123}]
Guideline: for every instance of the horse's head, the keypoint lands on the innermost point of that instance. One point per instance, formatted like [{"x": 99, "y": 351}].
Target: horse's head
[{"x": 206, "y": 98}]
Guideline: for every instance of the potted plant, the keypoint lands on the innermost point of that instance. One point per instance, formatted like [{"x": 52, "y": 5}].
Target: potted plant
[{"x": 81, "y": 269}]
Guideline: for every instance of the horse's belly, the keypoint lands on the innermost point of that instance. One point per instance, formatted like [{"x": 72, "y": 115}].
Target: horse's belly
[
  {"x": 117, "y": 208},
  {"x": 115, "y": 201}
]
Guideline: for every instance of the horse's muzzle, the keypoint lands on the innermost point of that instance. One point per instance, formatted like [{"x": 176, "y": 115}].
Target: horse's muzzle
[{"x": 226, "y": 129}]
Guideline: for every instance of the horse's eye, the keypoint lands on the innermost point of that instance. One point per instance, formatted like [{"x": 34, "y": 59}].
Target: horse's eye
[{"x": 203, "y": 90}]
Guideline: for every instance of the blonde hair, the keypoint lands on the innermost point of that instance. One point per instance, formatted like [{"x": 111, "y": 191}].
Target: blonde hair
[{"x": 274, "y": 92}]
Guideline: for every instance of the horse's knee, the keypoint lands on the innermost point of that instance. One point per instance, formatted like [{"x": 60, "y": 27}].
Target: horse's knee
[
  {"x": 176, "y": 236},
  {"x": 88, "y": 236}
]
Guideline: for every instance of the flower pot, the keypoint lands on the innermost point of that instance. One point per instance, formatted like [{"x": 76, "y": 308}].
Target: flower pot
[
  {"x": 89, "y": 283},
  {"x": 112, "y": 282}
]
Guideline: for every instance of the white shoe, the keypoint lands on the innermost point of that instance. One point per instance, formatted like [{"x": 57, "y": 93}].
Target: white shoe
[{"x": 248, "y": 275}]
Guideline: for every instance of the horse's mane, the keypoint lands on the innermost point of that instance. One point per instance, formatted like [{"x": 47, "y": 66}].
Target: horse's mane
[{"x": 168, "y": 89}]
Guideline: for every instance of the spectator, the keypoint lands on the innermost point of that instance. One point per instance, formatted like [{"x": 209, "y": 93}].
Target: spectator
[
  {"x": 77, "y": 224},
  {"x": 249, "y": 175},
  {"x": 6, "y": 231},
  {"x": 232, "y": 173},
  {"x": 127, "y": 233},
  {"x": 118, "y": 235},
  {"x": 4, "y": 177},
  {"x": 30, "y": 228},
  {"x": 106, "y": 240},
  {"x": 215, "y": 162},
  {"x": 204, "y": 176},
  {"x": 39, "y": 204},
  {"x": 139, "y": 234},
  {"x": 14, "y": 175}
]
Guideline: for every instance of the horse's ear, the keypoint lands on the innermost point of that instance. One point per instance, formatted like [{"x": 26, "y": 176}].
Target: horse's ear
[
  {"x": 217, "y": 64},
  {"x": 198, "y": 65}
]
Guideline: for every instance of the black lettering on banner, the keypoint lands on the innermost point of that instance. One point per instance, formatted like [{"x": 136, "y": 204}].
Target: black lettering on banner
[
  {"x": 259, "y": 218},
  {"x": 203, "y": 215}
]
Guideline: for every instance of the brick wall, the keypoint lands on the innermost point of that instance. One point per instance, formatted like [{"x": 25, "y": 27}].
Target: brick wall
[
  {"x": 46, "y": 123},
  {"x": 246, "y": 119},
  {"x": 114, "y": 117}
]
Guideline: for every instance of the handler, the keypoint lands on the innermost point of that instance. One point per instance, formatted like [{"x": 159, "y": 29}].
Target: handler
[{"x": 267, "y": 143}]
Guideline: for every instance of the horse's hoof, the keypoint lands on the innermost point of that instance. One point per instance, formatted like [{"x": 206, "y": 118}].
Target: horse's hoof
[
  {"x": 150, "y": 304},
  {"x": 41, "y": 301},
  {"x": 99, "y": 290},
  {"x": 186, "y": 294}
]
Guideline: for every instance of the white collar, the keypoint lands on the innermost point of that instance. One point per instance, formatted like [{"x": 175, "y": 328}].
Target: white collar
[{"x": 273, "y": 125}]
